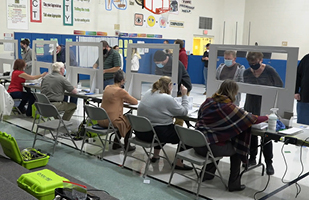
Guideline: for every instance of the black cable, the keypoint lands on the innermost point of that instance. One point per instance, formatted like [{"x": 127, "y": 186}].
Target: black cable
[
  {"x": 263, "y": 189},
  {"x": 93, "y": 190},
  {"x": 286, "y": 165}
]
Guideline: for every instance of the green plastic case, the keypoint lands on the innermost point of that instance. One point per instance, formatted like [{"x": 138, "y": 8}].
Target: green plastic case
[
  {"x": 10, "y": 149},
  {"x": 41, "y": 184}
]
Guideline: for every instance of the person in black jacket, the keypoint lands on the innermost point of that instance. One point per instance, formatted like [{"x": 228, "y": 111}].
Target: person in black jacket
[
  {"x": 205, "y": 71},
  {"x": 302, "y": 90},
  {"x": 164, "y": 67}
]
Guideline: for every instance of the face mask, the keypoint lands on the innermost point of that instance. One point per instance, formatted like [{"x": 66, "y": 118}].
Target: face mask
[
  {"x": 65, "y": 72},
  {"x": 255, "y": 66},
  {"x": 228, "y": 62},
  {"x": 207, "y": 50},
  {"x": 160, "y": 65},
  {"x": 104, "y": 51}
]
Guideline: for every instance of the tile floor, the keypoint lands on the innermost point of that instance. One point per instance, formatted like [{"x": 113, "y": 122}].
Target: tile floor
[{"x": 120, "y": 181}]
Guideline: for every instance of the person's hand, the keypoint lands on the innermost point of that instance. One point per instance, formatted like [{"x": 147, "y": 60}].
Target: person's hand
[
  {"x": 297, "y": 97},
  {"x": 183, "y": 90},
  {"x": 42, "y": 75}
]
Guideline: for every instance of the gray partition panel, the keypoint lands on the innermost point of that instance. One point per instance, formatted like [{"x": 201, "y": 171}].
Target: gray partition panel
[
  {"x": 134, "y": 79},
  {"x": 285, "y": 98},
  {"x": 9, "y": 61},
  {"x": 36, "y": 65}
]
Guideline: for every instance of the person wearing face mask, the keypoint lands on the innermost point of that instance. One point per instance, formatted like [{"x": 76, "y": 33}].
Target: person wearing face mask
[
  {"x": 205, "y": 59},
  {"x": 54, "y": 85},
  {"x": 260, "y": 74},
  {"x": 111, "y": 59},
  {"x": 19, "y": 76},
  {"x": 164, "y": 68},
  {"x": 26, "y": 55},
  {"x": 116, "y": 48},
  {"x": 112, "y": 102},
  {"x": 231, "y": 70}
]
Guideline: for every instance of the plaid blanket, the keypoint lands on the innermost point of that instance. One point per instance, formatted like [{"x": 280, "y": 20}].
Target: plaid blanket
[{"x": 221, "y": 121}]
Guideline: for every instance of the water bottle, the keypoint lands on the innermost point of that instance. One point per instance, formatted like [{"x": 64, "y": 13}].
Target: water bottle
[
  {"x": 272, "y": 119},
  {"x": 174, "y": 90}
]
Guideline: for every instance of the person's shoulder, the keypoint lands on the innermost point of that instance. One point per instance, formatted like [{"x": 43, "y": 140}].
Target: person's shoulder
[{"x": 240, "y": 66}]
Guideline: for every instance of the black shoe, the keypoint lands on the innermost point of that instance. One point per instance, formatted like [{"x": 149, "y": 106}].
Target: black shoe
[
  {"x": 184, "y": 167},
  {"x": 251, "y": 163},
  {"x": 153, "y": 159},
  {"x": 131, "y": 148},
  {"x": 270, "y": 169},
  {"x": 207, "y": 177},
  {"x": 116, "y": 146},
  {"x": 238, "y": 188}
]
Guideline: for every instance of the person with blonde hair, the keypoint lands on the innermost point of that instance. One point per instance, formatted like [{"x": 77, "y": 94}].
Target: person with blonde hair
[
  {"x": 135, "y": 60},
  {"x": 54, "y": 85},
  {"x": 159, "y": 107},
  {"x": 227, "y": 129}
]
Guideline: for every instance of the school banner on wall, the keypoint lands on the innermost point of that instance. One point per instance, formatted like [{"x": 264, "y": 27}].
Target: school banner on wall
[
  {"x": 68, "y": 12},
  {"x": 36, "y": 11},
  {"x": 17, "y": 16}
]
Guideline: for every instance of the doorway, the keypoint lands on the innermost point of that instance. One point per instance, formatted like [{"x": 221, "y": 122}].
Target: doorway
[{"x": 199, "y": 44}]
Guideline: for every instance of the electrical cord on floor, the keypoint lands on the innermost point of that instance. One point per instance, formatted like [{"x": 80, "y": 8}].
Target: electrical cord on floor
[
  {"x": 286, "y": 164},
  {"x": 94, "y": 190},
  {"x": 258, "y": 192}
]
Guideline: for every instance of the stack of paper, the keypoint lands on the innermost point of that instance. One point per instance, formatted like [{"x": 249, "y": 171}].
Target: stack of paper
[{"x": 291, "y": 131}]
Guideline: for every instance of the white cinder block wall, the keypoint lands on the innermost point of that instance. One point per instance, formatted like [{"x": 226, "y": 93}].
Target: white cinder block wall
[
  {"x": 231, "y": 11},
  {"x": 274, "y": 21}
]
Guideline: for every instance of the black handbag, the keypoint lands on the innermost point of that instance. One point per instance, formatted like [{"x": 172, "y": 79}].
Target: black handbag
[{"x": 67, "y": 194}]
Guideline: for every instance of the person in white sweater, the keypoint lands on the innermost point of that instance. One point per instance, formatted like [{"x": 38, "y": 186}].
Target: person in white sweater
[{"x": 160, "y": 107}]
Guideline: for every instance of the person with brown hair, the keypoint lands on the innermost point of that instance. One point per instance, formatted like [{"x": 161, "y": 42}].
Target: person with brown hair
[
  {"x": 227, "y": 129},
  {"x": 260, "y": 74},
  {"x": 19, "y": 76},
  {"x": 112, "y": 101},
  {"x": 183, "y": 57},
  {"x": 159, "y": 107},
  {"x": 26, "y": 55}
]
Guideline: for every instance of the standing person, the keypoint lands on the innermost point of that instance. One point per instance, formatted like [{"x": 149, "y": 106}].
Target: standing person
[
  {"x": 135, "y": 60},
  {"x": 302, "y": 90},
  {"x": 205, "y": 59},
  {"x": 26, "y": 55},
  {"x": 260, "y": 74},
  {"x": 112, "y": 102},
  {"x": 183, "y": 57},
  {"x": 231, "y": 70},
  {"x": 54, "y": 85},
  {"x": 60, "y": 51},
  {"x": 111, "y": 59},
  {"x": 227, "y": 129},
  {"x": 19, "y": 76},
  {"x": 159, "y": 107},
  {"x": 116, "y": 48}
]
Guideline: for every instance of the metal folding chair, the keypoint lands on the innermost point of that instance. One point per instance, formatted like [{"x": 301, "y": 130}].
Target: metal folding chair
[
  {"x": 41, "y": 98},
  {"x": 97, "y": 113},
  {"x": 142, "y": 124},
  {"x": 48, "y": 111},
  {"x": 194, "y": 138}
]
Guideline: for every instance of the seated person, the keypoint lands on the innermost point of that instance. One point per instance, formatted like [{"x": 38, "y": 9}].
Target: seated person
[
  {"x": 19, "y": 76},
  {"x": 112, "y": 101},
  {"x": 159, "y": 107},
  {"x": 54, "y": 85},
  {"x": 164, "y": 67},
  {"x": 227, "y": 129},
  {"x": 231, "y": 70}
]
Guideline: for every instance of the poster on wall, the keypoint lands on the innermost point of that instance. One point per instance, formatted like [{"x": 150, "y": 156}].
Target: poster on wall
[
  {"x": 119, "y": 4},
  {"x": 17, "y": 16},
  {"x": 186, "y": 6},
  {"x": 174, "y": 7},
  {"x": 36, "y": 11},
  {"x": 51, "y": 5},
  {"x": 68, "y": 12}
]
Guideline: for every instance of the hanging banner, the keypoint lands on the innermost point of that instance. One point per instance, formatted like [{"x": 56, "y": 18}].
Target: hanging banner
[
  {"x": 17, "y": 16},
  {"x": 68, "y": 12},
  {"x": 36, "y": 11}
]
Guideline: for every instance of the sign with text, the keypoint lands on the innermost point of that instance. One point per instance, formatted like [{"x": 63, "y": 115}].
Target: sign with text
[
  {"x": 17, "y": 16},
  {"x": 36, "y": 11},
  {"x": 68, "y": 12},
  {"x": 177, "y": 24},
  {"x": 52, "y": 5}
]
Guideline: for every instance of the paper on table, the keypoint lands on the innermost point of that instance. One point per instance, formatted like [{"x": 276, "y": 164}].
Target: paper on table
[
  {"x": 291, "y": 131},
  {"x": 260, "y": 125}
]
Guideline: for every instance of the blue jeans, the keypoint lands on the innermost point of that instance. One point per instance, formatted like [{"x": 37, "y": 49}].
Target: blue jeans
[
  {"x": 25, "y": 97},
  {"x": 302, "y": 113},
  {"x": 205, "y": 71},
  {"x": 108, "y": 82},
  {"x": 72, "y": 99}
]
